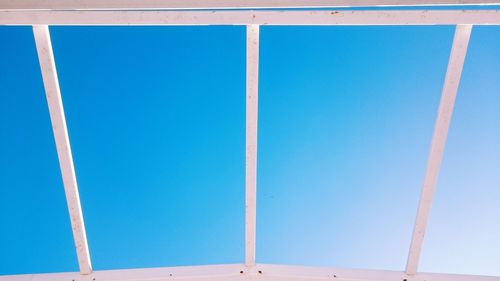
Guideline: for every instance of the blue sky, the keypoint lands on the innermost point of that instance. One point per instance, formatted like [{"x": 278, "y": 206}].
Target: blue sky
[{"x": 156, "y": 117}]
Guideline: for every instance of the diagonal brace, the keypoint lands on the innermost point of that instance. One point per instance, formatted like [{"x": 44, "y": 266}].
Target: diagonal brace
[
  {"x": 449, "y": 93},
  {"x": 58, "y": 120}
]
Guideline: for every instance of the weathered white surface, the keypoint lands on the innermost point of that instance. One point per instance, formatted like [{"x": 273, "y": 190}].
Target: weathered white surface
[
  {"x": 54, "y": 100},
  {"x": 236, "y": 272},
  {"x": 449, "y": 94},
  {"x": 221, "y": 4},
  {"x": 394, "y": 17},
  {"x": 252, "y": 105}
]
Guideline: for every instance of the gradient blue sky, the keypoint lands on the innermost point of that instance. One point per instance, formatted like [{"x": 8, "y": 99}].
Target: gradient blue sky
[{"x": 156, "y": 117}]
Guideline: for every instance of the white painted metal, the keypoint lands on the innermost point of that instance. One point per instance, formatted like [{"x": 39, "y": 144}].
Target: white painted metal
[
  {"x": 221, "y": 4},
  {"x": 204, "y": 272},
  {"x": 252, "y": 101},
  {"x": 159, "y": 12},
  {"x": 236, "y": 272},
  {"x": 321, "y": 17},
  {"x": 54, "y": 100},
  {"x": 287, "y": 272},
  {"x": 450, "y": 88}
]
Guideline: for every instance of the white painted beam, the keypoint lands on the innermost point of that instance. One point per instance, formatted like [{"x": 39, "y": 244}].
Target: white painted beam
[
  {"x": 303, "y": 273},
  {"x": 449, "y": 93},
  {"x": 321, "y": 17},
  {"x": 252, "y": 101},
  {"x": 203, "y": 272},
  {"x": 56, "y": 110},
  {"x": 238, "y": 272},
  {"x": 223, "y": 4}
]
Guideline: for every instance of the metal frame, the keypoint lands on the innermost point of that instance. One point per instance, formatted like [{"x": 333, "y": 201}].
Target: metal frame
[
  {"x": 450, "y": 88},
  {"x": 223, "y": 4},
  {"x": 252, "y": 101},
  {"x": 240, "y": 272},
  {"x": 56, "y": 110},
  {"x": 42, "y": 13},
  {"x": 249, "y": 17}
]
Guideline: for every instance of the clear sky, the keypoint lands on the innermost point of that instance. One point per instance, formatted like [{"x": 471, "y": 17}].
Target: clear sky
[{"x": 156, "y": 117}]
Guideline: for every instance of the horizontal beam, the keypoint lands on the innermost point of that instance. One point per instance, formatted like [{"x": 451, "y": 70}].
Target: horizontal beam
[
  {"x": 286, "y": 272},
  {"x": 205, "y": 272},
  {"x": 447, "y": 17},
  {"x": 58, "y": 120},
  {"x": 237, "y": 272},
  {"x": 222, "y": 4}
]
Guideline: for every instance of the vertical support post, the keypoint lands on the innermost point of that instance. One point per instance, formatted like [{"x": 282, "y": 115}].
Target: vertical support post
[
  {"x": 449, "y": 93},
  {"x": 58, "y": 120},
  {"x": 252, "y": 97}
]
